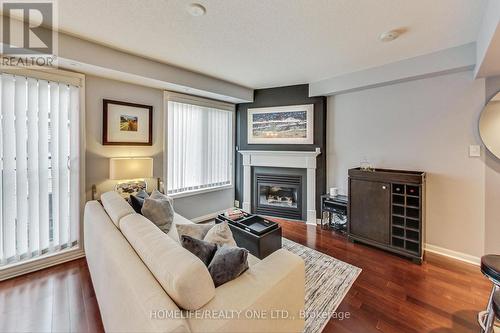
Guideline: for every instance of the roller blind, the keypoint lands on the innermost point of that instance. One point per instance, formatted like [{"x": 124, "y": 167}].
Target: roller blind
[
  {"x": 199, "y": 143},
  {"x": 39, "y": 164}
]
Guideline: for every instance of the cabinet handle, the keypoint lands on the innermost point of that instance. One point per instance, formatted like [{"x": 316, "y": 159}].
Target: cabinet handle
[{"x": 384, "y": 187}]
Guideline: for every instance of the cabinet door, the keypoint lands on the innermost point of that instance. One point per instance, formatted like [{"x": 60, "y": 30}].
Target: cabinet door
[{"x": 370, "y": 210}]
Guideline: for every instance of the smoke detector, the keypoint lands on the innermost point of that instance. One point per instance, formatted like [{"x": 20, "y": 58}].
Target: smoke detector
[
  {"x": 195, "y": 9},
  {"x": 389, "y": 36}
]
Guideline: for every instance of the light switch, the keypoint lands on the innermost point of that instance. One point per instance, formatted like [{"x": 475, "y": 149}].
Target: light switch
[{"x": 474, "y": 151}]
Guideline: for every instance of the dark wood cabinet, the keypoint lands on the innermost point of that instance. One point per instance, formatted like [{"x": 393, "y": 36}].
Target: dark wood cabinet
[
  {"x": 368, "y": 220},
  {"x": 386, "y": 209}
]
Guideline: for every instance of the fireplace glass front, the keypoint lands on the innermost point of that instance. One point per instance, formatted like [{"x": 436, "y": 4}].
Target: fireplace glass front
[
  {"x": 279, "y": 192},
  {"x": 279, "y": 196}
]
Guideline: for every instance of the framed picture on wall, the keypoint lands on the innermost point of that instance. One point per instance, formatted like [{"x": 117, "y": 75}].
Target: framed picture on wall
[
  {"x": 127, "y": 124},
  {"x": 292, "y": 124}
]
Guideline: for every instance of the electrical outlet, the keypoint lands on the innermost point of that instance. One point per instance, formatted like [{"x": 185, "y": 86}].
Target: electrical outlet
[
  {"x": 474, "y": 151},
  {"x": 236, "y": 203}
]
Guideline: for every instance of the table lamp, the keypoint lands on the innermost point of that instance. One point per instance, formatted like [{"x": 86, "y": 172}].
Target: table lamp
[{"x": 131, "y": 173}]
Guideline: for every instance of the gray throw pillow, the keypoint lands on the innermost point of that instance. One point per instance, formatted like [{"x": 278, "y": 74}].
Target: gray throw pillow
[
  {"x": 228, "y": 263},
  {"x": 220, "y": 234},
  {"x": 159, "y": 209},
  {"x": 197, "y": 231},
  {"x": 203, "y": 250}
]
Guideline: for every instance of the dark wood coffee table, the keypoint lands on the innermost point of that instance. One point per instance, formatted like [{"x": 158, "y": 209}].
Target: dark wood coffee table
[{"x": 260, "y": 237}]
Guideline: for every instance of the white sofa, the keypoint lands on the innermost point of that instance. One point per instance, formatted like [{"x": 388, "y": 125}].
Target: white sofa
[{"x": 144, "y": 280}]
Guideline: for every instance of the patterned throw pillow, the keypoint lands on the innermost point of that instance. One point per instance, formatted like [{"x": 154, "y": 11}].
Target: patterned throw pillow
[{"x": 159, "y": 209}]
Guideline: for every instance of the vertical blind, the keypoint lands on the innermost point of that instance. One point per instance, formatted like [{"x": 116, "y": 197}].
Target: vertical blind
[
  {"x": 39, "y": 164},
  {"x": 199, "y": 141}
]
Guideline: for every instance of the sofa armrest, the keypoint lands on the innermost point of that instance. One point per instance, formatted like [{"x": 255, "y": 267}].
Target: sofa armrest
[{"x": 273, "y": 289}]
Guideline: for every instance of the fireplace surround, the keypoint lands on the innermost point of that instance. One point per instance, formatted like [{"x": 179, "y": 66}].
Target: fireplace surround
[
  {"x": 279, "y": 192},
  {"x": 305, "y": 160}
]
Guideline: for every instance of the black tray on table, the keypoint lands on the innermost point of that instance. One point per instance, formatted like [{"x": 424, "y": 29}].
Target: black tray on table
[{"x": 252, "y": 223}]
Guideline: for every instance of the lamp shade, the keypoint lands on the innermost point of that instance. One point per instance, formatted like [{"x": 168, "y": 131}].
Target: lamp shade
[{"x": 130, "y": 168}]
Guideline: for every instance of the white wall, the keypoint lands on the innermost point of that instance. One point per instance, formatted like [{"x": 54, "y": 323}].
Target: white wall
[
  {"x": 423, "y": 125},
  {"x": 97, "y": 155}
]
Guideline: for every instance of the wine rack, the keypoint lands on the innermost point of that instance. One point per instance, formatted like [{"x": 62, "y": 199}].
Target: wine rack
[{"x": 406, "y": 217}]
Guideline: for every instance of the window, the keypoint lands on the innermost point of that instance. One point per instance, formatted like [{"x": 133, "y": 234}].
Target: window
[
  {"x": 199, "y": 144},
  {"x": 39, "y": 164}
]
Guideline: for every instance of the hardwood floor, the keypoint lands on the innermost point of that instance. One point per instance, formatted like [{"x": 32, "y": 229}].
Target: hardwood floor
[
  {"x": 394, "y": 295},
  {"x": 391, "y": 294},
  {"x": 57, "y": 299}
]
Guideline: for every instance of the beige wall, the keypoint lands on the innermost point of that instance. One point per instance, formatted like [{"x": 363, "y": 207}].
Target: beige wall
[
  {"x": 97, "y": 155},
  {"x": 423, "y": 125}
]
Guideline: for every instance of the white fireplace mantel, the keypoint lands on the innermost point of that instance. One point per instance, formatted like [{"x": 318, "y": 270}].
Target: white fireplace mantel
[{"x": 281, "y": 159}]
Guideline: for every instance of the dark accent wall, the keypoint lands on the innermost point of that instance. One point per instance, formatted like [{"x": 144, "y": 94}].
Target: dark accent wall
[{"x": 282, "y": 96}]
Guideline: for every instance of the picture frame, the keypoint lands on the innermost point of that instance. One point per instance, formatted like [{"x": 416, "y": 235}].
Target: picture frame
[
  {"x": 293, "y": 124},
  {"x": 127, "y": 124}
]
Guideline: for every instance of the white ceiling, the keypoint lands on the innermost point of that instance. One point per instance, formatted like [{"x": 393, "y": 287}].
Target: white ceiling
[{"x": 266, "y": 43}]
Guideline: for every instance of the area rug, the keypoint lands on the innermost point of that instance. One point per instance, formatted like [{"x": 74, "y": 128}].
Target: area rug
[{"x": 327, "y": 282}]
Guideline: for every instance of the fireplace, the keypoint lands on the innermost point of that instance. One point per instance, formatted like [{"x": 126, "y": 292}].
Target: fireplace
[
  {"x": 279, "y": 192},
  {"x": 281, "y": 163}
]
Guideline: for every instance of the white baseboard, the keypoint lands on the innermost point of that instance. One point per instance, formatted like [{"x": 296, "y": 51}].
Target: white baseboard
[
  {"x": 453, "y": 254},
  {"x": 207, "y": 217},
  {"x": 36, "y": 264}
]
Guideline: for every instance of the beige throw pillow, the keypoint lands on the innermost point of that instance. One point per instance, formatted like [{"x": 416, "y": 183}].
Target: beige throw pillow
[
  {"x": 197, "y": 231},
  {"x": 159, "y": 209},
  {"x": 220, "y": 234}
]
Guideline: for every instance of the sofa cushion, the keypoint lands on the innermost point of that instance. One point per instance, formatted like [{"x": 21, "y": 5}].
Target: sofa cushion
[
  {"x": 159, "y": 209},
  {"x": 181, "y": 274},
  {"x": 203, "y": 250},
  {"x": 275, "y": 283},
  {"x": 116, "y": 206}
]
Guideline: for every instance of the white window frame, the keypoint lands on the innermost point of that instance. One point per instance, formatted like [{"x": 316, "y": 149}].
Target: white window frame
[
  {"x": 51, "y": 259},
  {"x": 189, "y": 99}
]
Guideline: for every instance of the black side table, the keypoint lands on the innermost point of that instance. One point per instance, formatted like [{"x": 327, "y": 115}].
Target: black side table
[{"x": 335, "y": 207}]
